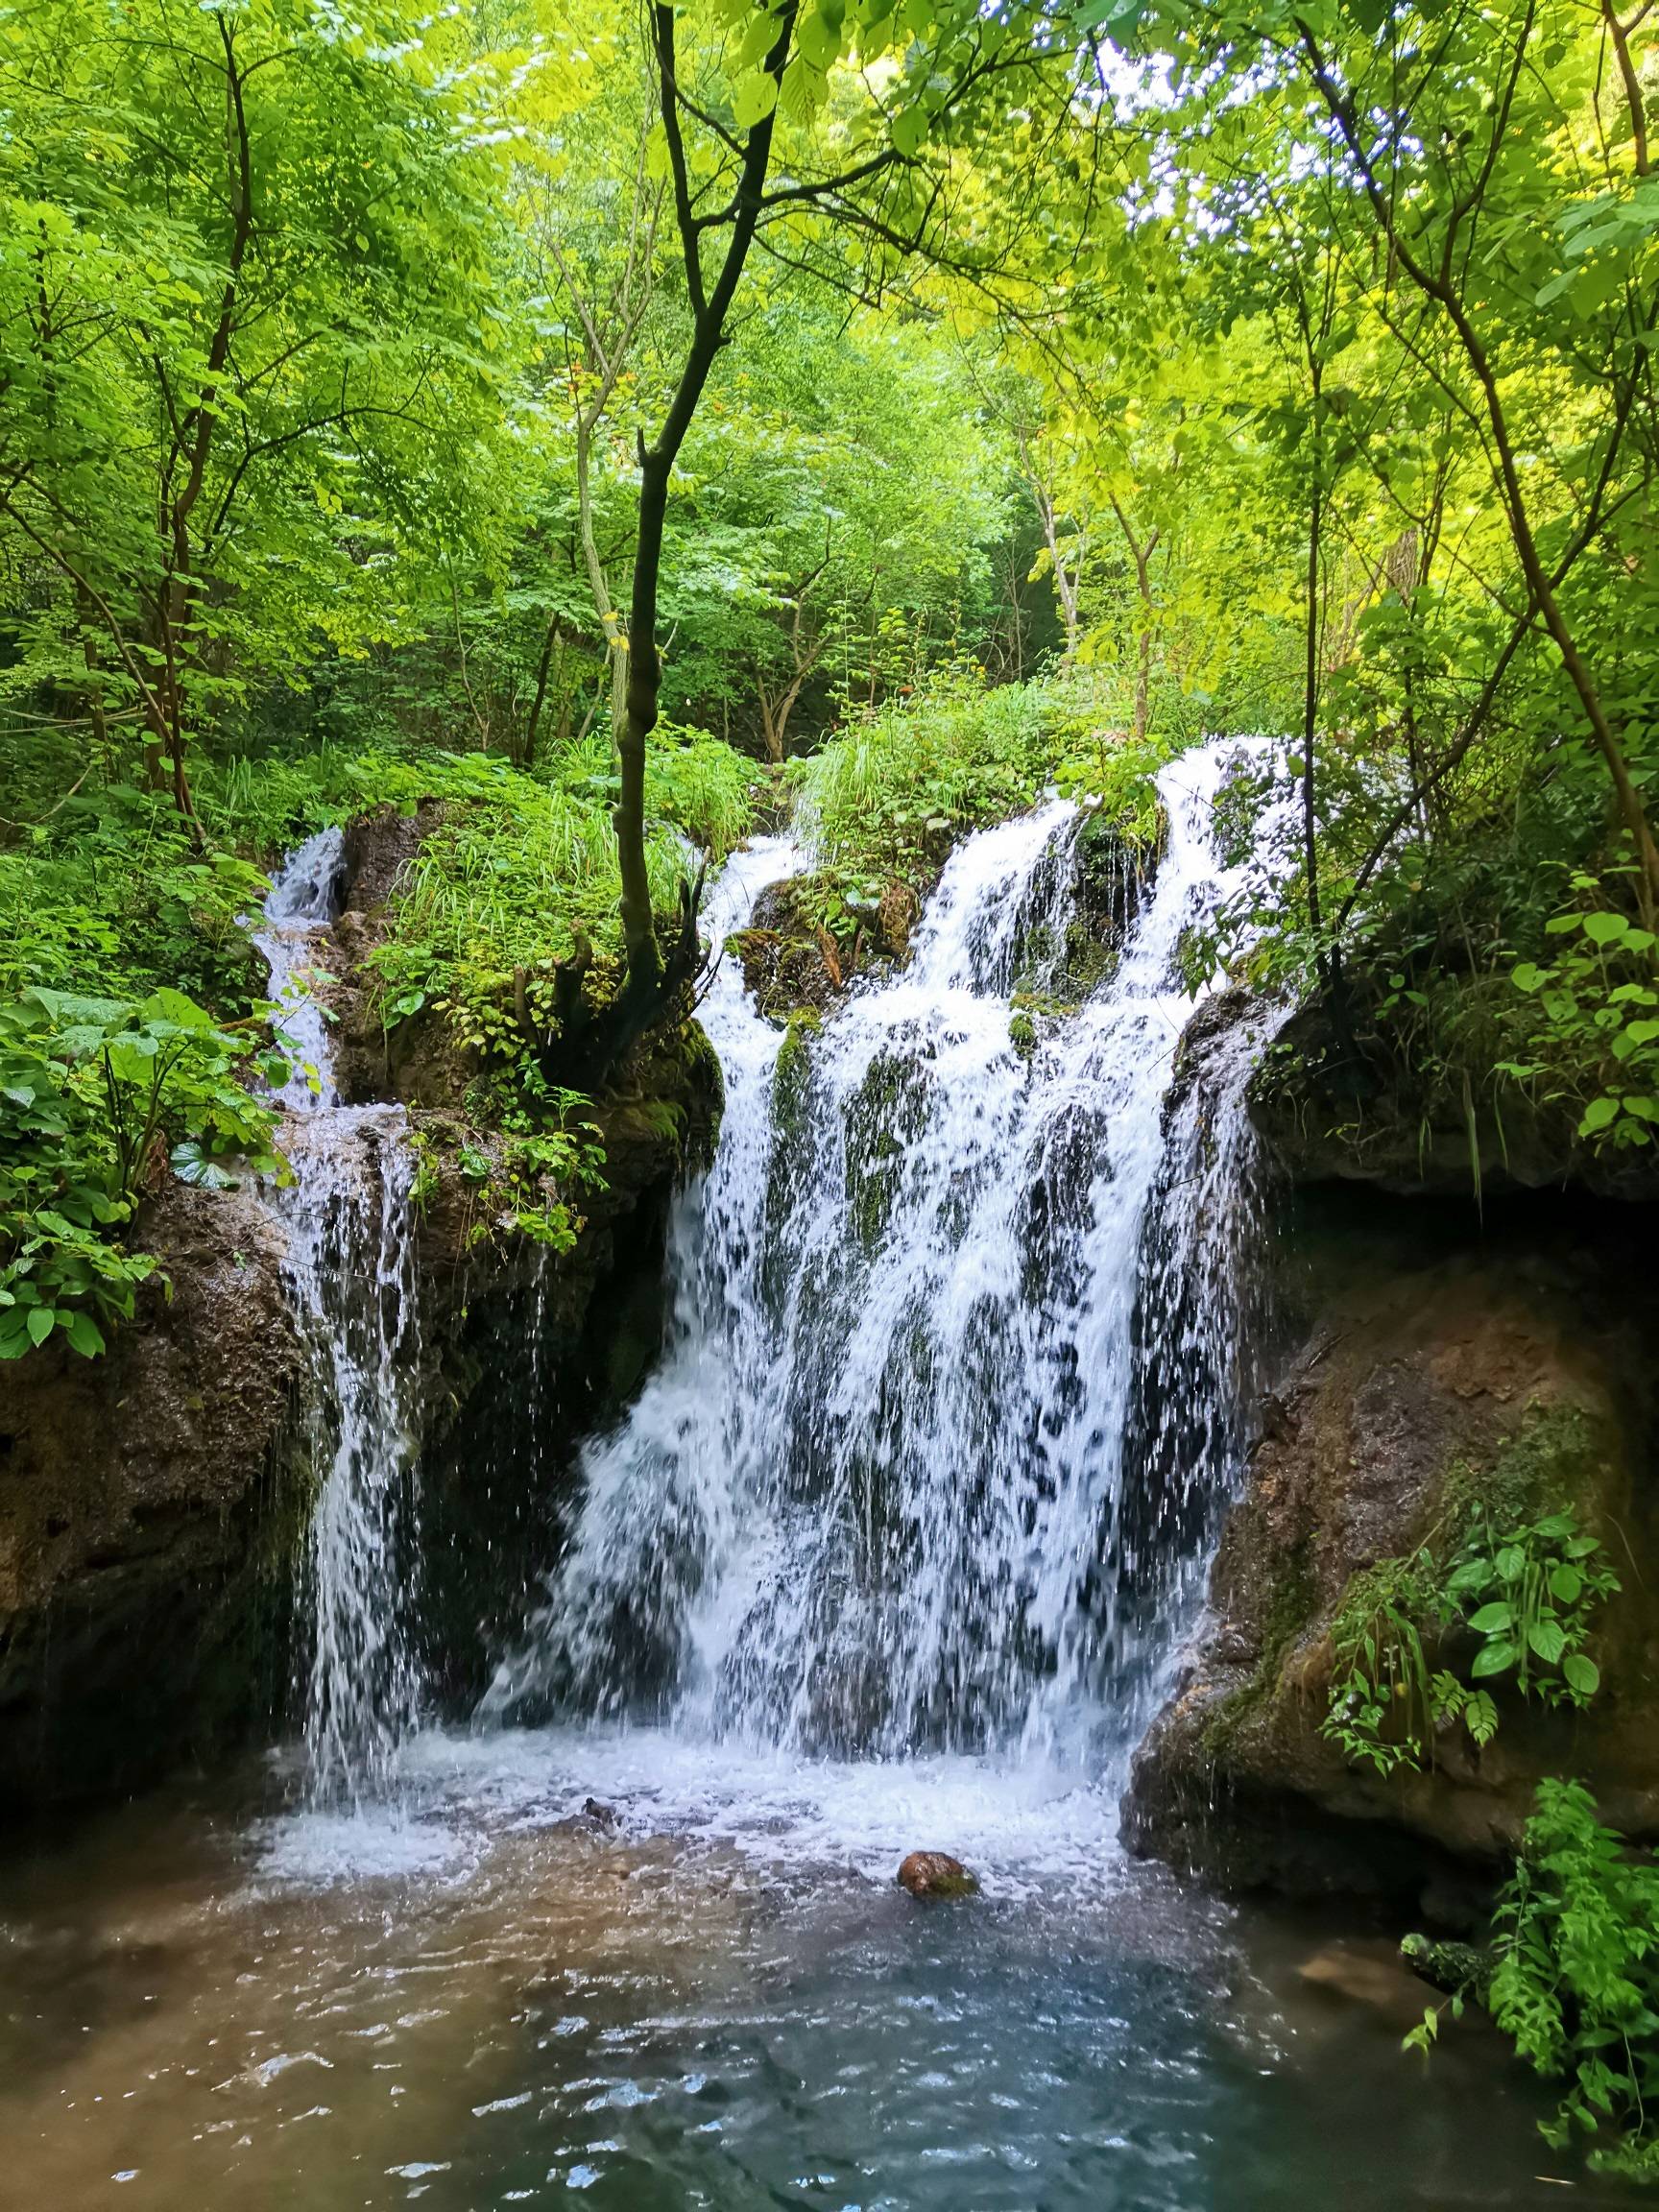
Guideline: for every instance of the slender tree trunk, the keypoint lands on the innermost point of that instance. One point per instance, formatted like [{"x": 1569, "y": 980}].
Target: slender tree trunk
[
  {"x": 544, "y": 670},
  {"x": 710, "y": 309},
  {"x": 771, "y": 736},
  {"x": 1311, "y": 671},
  {"x": 644, "y": 683}
]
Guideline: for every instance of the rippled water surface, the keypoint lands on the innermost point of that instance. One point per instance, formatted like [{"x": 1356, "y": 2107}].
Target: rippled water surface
[{"x": 720, "y": 2001}]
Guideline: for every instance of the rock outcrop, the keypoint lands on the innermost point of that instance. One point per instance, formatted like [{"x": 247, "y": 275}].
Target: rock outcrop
[
  {"x": 1515, "y": 1359},
  {"x": 1356, "y": 1116},
  {"x": 152, "y": 1501},
  {"x": 147, "y": 1514}
]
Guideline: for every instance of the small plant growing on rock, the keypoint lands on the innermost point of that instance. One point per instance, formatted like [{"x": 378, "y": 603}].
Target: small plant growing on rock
[{"x": 1529, "y": 1595}]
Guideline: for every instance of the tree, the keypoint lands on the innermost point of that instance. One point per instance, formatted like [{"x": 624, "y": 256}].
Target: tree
[
  {"x": 856, "y": 164},
  {"x": 244, "y": 281}
]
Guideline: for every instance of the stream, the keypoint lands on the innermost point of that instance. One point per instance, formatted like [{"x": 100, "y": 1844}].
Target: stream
[{"x": 894, "y": 1550}]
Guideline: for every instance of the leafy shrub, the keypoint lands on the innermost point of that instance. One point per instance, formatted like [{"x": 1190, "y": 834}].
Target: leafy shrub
[
  {"x": 1576, "y": 1980},
  {"x": 116, "y": 899},
  {"x": 96, "y": 1097},
  {"x": 1595, "y": 1022},
  {"x": 1528, "y": 1595}
]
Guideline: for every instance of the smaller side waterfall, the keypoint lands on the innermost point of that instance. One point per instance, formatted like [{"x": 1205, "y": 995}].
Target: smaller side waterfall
[{"x": 350, "y": 1269}]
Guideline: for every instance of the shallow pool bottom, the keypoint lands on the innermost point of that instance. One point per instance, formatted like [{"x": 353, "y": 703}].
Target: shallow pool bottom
[{"x": 711, "y": 1995}]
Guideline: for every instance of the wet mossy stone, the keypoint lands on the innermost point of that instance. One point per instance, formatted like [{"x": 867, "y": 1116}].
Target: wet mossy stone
[
  {"x": 792, "y": 1072},
  {"x": 936, "y": 1874},
  {"x": 1460, "y": 1969},
  {"x": 884, "y": 1117}
]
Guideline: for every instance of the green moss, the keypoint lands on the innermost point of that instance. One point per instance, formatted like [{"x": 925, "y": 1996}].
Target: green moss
[
  {"x": 883, "y": 1118},
  {"x": 1556, "y": 1459},
  {"x": 1022, "y": 1032},
  {"x": 704, "y": 1077},
  {"x": 1292, "y": 1611},
  {"x": 792, "y": 1072},
  {"x": 1463, "y": 1969}
]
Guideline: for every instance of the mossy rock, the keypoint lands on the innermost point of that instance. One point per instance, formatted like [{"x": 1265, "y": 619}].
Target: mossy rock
[
  {"x": 792, "y": 1074},
  {"x": 884, "y": 1117},
  {"x": 1511, "y": 1376}
]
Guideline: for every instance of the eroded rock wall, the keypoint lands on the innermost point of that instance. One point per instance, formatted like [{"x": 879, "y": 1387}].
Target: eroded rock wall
[
  {"x": 152, "y": 1501},
  {"x": 1519, "y": 1354},
  {"x": 146, "y": 1514}
]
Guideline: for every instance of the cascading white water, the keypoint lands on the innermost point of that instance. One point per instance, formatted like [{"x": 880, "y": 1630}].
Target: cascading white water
[
  {"x": 884, "y": 1494},
  {"x": 351, "y": 1271}
]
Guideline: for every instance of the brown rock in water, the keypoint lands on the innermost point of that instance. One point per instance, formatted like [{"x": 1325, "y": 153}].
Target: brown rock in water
[
  {"x": 1370, "y": 1974},
  {"x": 601, "y": 1816},
  {"x": 936, "y": 1874}
]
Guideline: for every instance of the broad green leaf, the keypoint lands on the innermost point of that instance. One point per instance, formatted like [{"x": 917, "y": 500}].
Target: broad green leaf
[
  {"x": 1493, "y": 1619},
  {"x": 1548, "y": 1639},
  {"x": 1605, "y": 928},
  {"x": 754, "y": 96}
]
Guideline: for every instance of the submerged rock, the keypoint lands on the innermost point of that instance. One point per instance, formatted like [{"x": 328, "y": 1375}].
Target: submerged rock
[
  {"x": 936, "y": 1874},
  {"x": 1371, "y": 1973}
]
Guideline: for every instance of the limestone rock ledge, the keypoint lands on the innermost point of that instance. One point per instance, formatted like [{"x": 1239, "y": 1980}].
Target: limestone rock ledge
[{"x": 1523, "y": 1355}]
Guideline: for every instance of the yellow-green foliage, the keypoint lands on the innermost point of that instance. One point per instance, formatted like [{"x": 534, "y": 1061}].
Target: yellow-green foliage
[{"x": 890, "y": 796}]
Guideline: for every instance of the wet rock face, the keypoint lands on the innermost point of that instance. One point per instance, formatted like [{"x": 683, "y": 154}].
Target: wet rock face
[
  {"x": 153, "y": 1502},
  {"x": 936, "y": 1874},
  {"x": 1356, "y": 1116},
  {"x": 1523, "y": 1362},
  {"x": 141, "y": 1502},
  {"x": 792, "y": 960}
]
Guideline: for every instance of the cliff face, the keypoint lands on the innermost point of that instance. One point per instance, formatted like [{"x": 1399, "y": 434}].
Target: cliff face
[
  {"x": 152, "y": 1501},
  {"x": 142, "y": 1500},
  {"x": 1435, "y": 1357}
]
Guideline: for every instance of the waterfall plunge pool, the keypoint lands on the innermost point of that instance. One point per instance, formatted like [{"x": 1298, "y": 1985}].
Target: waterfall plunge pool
[{"x": 486, "y": 1999}]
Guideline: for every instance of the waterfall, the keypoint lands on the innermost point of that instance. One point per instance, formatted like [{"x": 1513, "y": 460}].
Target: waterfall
[
  {"x": 952, "y": 1386},
  {"x": 350, "y": 1272}
]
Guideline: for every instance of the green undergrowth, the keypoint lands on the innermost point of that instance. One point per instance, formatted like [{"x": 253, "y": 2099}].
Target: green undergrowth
[
  {"x": 509, "y": 907},
  {"x": 134, "y": 1022},
  {"x": 887, "y": 798},
  {"x": 1503, "y": 1594},
  {"x": 1492, "y": 993},
  {"x": 1572, "y": 1979}
]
